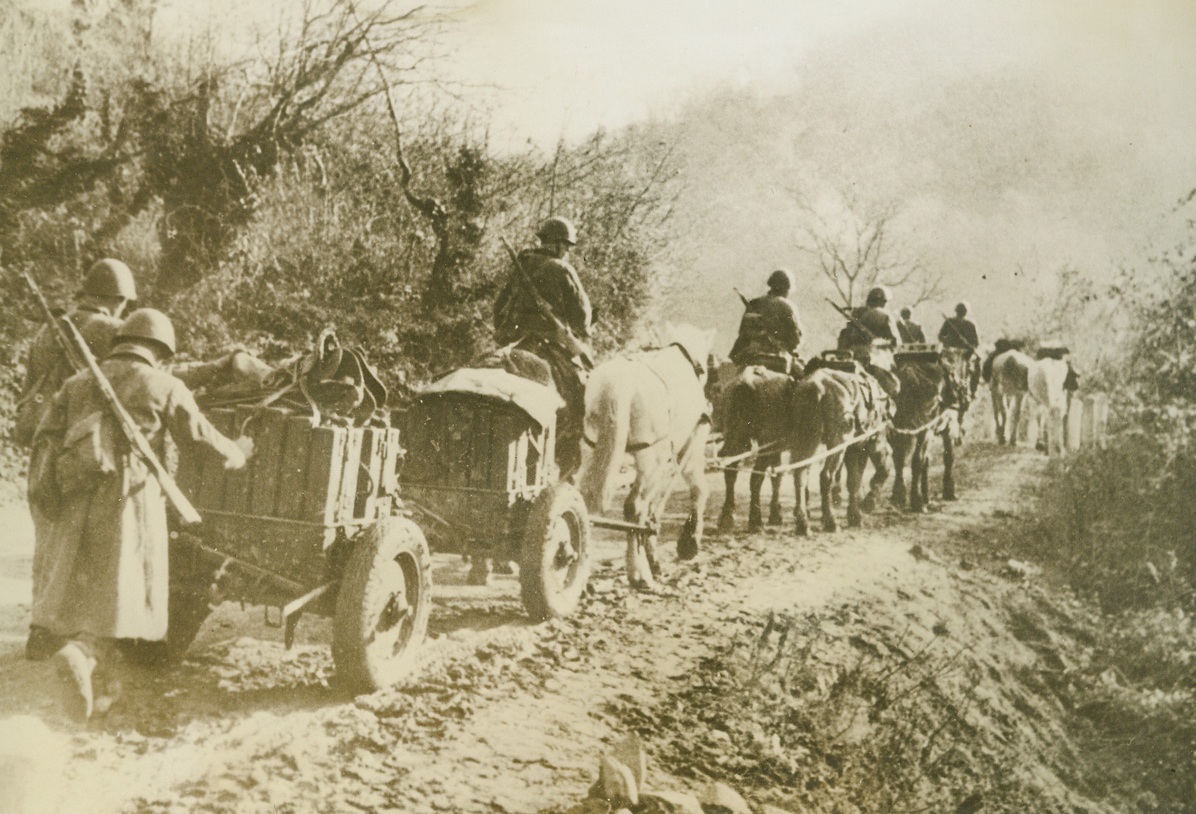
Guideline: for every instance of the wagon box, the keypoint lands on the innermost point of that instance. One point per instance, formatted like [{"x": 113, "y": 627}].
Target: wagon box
[{"x": 309, "y": 524}]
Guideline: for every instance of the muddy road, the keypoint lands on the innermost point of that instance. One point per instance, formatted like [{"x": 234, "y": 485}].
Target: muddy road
[{"x": 498, "y": 715}]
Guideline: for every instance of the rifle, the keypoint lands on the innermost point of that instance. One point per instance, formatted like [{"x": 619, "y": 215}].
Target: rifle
[
  {"x": 75, "y": 346},
  {"x": 742, "y": 298},
  {"x": 575, "y": 346},
  {"x": 846, "y": 312},
  {"x": 960, "y": 336}
]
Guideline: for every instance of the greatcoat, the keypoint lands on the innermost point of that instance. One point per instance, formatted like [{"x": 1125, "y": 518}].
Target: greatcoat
[{"x": 104, "y": 570}]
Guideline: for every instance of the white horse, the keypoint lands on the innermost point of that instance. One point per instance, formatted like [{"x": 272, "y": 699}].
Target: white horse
[
  {"x": 653, "y": 406},
  {"x": 1014, "y": 376}
]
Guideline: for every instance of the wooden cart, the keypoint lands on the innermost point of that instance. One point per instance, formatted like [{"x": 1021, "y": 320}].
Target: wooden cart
[
  {"x": 480, "y": 467},
  {"x": 310, "y": 525}
]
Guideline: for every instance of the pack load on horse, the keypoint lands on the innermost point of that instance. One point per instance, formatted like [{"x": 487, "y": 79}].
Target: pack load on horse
[
  {"x": 929, "y": 403},
  {"x": 839, "y": 409},
  {"x": 651, "y": 405},
  {"x": 769, "y": 332}
]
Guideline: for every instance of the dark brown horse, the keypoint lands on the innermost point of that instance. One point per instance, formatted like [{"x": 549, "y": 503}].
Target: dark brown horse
[
  {"x": 755, "y": 409},
  {"x": 928, "y": 389},
  {"x": 831, "y": 408}
]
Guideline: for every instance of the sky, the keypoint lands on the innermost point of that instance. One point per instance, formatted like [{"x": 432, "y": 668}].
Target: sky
[{"x": 1014, "y": 137}]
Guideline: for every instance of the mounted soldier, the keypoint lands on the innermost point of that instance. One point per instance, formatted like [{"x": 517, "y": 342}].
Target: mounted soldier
[
  {"x": 100, "y": 305},
  {"x": 910, "y": 331},
  {"x": 770, "y": 333},
  {"x": 871, "y": 336},
  {"x": 105, "y": 563},
  {"x": 543, "y": 309},
  {"x": 960, "y": 332}
]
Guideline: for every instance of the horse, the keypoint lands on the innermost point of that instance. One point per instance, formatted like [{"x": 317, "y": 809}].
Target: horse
[
  {"x": 1009, "y": 384},
  {"x": 1014, "y": 376},
  {"x": 756, "y": 410},
  {"x": 653, "y": 406},
  {"x": 831, "y": 407},
  {"x": 928, "y": 389}
]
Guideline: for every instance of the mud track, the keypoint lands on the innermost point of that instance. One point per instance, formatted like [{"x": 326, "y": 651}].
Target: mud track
[{"x": 499, "y": 715}]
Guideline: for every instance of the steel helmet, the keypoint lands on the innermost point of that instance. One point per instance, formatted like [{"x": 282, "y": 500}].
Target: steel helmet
[
  {"x": 557, "y": 230},
  {"x": 780, "y": 279},
  {"x": 110, "y": 278},
  {"x": 961, "y": 310},
  {"x": 906, "y": 313},
  {"x": 148, "y": 325},
  {"x": 878, "y": 296}
]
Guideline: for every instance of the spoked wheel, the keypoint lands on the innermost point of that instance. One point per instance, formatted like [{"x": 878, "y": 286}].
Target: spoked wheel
[
  {"x": 383, "y": 605},
  {"x": 555, "y": 556}
]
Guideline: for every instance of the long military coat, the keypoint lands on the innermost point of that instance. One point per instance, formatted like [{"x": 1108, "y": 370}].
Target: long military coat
[{"x": 105, "y": 564}]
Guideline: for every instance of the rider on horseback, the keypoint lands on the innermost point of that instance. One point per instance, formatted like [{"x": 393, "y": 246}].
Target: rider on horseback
[
  {"x": 960, "y": 332},
  {"x": 544, "y": 309},
  {"x": 870, "y": 330},
  {"x": 769, "y": 332}
]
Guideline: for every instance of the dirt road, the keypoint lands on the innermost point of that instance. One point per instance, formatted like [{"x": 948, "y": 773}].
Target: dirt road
[{"x": 499, "y": 715}]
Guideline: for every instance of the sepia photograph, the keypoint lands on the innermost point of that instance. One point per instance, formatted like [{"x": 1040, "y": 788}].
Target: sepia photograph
[{"x": 609, "y": 407}]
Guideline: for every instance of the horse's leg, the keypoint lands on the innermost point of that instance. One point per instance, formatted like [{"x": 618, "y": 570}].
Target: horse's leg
[
  {"x": 726, "y": 518},
  {"x": 826, "y": 482},
  {"x": 755, "y": 519},
  {"x": 900, "y": 452},
  {"x": 948, "y": 466},
  {"x": 925, "y": 478},
  {"x": 1013, "y": 423},
  {"x": 801, "y": 501},
  {"x": 880, "y": 453},
  {"x": 694, "y": 472},
  {"x": 854, "y": 460},
  {"x": 774, "y": 506},
  {"x": 917, "y": 474},
  {"x": 636, "y": 510},
  {"x": 998, "y": 412}
]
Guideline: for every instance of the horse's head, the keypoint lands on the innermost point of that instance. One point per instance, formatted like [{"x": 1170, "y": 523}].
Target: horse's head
[{"x": 696, "y": 342}]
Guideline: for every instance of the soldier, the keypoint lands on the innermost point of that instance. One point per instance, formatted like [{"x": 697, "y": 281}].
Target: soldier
[
  {"x": 106, "y": 292},
  {"x": 105, "y": 560},
  {"x": 960, "y": 332},
  {"x": 769, "y": 333},
  {"x": 865, "y": 326},
  {"x": 544, "y": 309},
  {"x": 910, "y": 331}
]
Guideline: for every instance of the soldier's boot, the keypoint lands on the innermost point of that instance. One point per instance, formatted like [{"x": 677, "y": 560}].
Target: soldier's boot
[
  {"x": 42, "y": 644},
  {"x": 75, "y": 666}
]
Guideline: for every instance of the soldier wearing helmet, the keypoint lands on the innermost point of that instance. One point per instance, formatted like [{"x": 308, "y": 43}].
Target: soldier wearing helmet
[
  {"x": 910, "y": 331},
  {"x": 106, "y": 292},
  {"x": 105, "y": 565},
  {"x": 959, "y": 331},
  {"x": 869, "y": 323},
  {"x": 543, "y": 308},
  {"x": 100, "y": 305},
  {"x": 769, "y": 332}
]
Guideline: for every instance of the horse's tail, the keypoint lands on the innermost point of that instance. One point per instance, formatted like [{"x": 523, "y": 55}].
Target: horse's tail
[{"x": 611, "y": 426}]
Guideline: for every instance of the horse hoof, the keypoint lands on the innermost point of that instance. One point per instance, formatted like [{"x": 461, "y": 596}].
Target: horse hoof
[
  {"x": 868, "y": 504},
  {"x": 726, "y": 525},
  {"x": 775, "y": 520},
  {"x": 830, "y": 527},
  {"x": 687, "y": 548},
  {"x": 801, "y": 530},
  {"x": 949, "y": 496},
  {"x": 643, "y": 586},
  {"x": 854, "y": 520}
]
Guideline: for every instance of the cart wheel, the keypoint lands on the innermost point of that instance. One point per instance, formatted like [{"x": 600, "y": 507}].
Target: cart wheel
[
  {"x": 556, "y": 553},
  {"x": 382, "y": 606}
]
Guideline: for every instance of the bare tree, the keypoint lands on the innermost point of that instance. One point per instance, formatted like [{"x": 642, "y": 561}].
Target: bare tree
[{"x": 855, "y": 247}]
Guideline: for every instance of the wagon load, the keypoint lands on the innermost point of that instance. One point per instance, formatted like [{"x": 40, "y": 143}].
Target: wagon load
[
  {"x": 480, "y": 468},
  {"x": 312, "y": 523}
]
